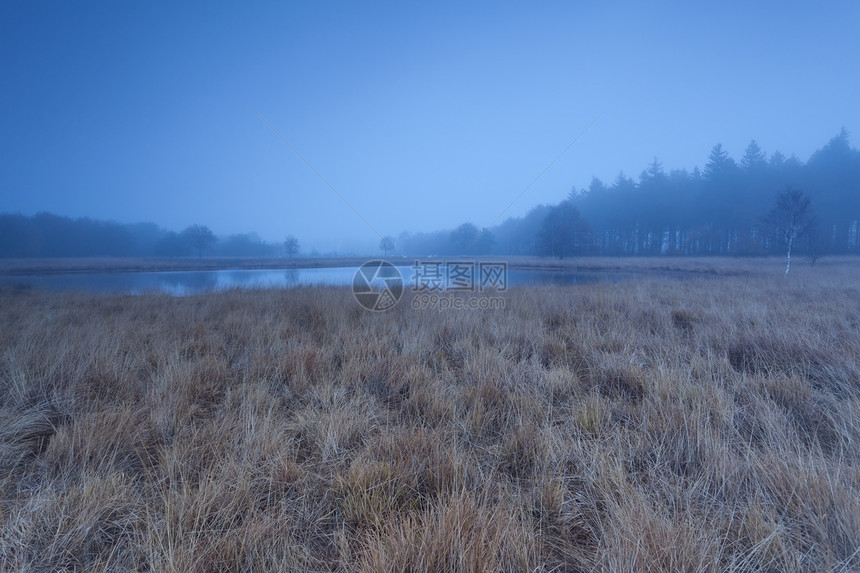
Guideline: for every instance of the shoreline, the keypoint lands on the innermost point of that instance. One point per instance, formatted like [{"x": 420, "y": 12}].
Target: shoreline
[{"x": 727, "y": 266}]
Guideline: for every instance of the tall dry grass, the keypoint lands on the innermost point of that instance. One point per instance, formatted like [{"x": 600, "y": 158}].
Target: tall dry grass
[{"x": 707, "y": 425}]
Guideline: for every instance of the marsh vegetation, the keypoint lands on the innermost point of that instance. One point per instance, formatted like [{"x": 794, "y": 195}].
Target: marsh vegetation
[{"x": 701, "y": 425}]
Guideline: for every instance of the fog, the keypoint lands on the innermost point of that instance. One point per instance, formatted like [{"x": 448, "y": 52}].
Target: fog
[{"x": 340, "y": 123}]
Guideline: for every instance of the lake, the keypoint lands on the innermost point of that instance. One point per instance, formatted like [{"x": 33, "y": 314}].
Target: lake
[{"x": 181, "y": 283}]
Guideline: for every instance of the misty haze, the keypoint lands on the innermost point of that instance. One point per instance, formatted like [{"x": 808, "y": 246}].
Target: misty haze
[{"x": 437, "y": 287}]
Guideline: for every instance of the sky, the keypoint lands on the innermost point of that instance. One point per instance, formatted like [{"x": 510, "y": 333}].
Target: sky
[{"x": 397, "y": 116}]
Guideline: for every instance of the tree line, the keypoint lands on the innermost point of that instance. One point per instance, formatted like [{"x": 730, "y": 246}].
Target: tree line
[
  {"x": 48, "y": 235},
  {"x": 721, "y": 210},
  {"x": 727, "y": 208},
  {"x": 724, "y": 209}
]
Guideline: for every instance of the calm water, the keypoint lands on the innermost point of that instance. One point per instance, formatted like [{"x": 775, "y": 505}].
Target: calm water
[{"x": 191, "y": 282}]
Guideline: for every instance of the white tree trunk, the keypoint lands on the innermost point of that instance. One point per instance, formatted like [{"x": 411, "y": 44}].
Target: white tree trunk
[{"x": 788, "y": 256}]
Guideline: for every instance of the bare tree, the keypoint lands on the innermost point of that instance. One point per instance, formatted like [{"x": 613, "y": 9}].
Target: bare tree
[
  {"x": 790, "y": 219},
  {"x": 386, "y": 244},
  {"x": 199, "y": 238},
  {"x": 291, "y": 245}
]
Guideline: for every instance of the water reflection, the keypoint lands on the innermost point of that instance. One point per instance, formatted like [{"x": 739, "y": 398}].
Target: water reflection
[
  {"x": 182, "y": 283},
  {"x": 291, "y": 277}
]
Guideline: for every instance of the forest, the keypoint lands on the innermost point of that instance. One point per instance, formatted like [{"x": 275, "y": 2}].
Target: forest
[{"x": 717, "y": 210}]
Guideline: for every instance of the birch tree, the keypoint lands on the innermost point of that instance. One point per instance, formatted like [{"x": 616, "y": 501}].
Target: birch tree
[{"x": 790, "y": 219}]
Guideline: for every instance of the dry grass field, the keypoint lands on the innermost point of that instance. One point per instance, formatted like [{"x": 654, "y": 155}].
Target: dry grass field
[{"x": 700, "y": 425}]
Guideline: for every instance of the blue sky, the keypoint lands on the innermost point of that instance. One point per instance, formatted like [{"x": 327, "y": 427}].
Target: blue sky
[{"x": 422, "y": 115}]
